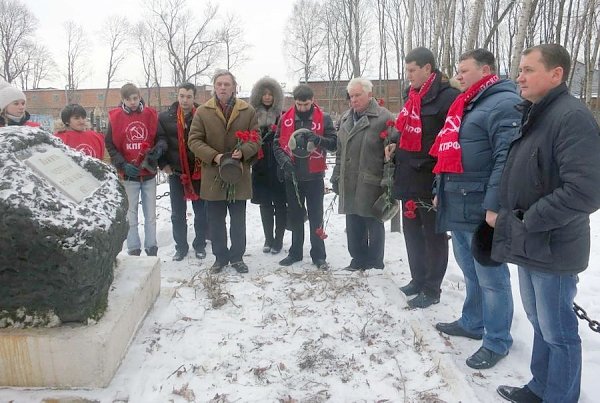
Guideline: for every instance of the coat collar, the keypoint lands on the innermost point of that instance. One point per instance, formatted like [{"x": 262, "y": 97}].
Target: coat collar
[
  {"x": 239, "y": 106},
  {"x": 532, "y": 111}
]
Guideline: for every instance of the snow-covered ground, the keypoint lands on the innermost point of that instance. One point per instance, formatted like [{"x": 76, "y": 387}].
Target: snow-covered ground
[{"x": 300, "y": 335}]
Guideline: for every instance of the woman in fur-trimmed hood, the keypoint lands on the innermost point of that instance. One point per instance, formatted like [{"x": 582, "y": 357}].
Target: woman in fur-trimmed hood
[{"x": 267, "y": 190}]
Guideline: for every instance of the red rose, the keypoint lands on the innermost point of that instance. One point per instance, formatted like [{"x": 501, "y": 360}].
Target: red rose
[
  {"x": 383, "y": 135},
  {"x": 410, "y": 205},
  {"x": 240, "y": 135},
  {"x": 381, "y": 102},
  {"x": 410, "y": 214},
  {"x": 390, "y": 123}
]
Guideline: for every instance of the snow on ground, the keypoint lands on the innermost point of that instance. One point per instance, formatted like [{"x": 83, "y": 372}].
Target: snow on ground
[{"x": 300, "y": 335}]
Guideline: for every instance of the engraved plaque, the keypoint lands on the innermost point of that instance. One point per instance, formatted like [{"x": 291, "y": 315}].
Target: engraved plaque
[{"x": 62, "y": 172}]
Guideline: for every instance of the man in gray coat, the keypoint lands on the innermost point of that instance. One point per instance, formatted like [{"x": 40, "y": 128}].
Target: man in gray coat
[{"x": 358, "y": 174}]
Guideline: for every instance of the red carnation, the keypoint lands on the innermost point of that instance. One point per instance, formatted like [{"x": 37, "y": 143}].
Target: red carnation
[
  {"x": 261, "y": 154},
  {"x": 383, "y": 135},
  {"x": 410, "y": 205},
  {"x": 381, "y": 102},
  {"x": 273, "y": 128},
  {"x": 390, "y": 123},
  {"x": 410, "y": 214}
]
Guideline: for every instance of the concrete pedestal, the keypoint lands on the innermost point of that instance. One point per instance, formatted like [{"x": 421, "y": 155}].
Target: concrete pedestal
[{"x": 74, "y": 355}]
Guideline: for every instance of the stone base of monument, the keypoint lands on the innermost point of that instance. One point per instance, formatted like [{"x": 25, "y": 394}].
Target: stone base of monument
[{"x": 79, "y": 356}]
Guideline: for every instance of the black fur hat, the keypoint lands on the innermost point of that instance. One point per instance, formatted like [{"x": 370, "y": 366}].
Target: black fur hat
[{"x": 481, "y": 245}]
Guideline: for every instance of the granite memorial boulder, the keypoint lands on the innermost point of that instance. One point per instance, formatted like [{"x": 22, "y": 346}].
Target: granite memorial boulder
[{"x": 62, "y": 224}]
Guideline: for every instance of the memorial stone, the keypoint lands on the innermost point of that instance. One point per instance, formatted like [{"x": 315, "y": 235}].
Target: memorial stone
[{"x": 63, "y": 222}]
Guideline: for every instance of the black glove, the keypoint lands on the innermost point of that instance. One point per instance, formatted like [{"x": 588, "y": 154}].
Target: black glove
[
  {"x": 316, "y": 140},
  {"x": 288, "y": 168},
  {"x": 131, "y": 170},
  {"x": 154, "y": 153}
]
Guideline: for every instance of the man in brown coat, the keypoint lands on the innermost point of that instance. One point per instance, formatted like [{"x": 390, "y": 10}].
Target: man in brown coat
[{"x": 214, "y": 132}]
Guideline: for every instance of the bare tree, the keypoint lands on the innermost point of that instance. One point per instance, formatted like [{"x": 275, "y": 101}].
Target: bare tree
[
  {"x": 475, "y": 23},
  {"x": 17, "y": 26},
  {"x": 409, "y": 27},
  {"x": 356, "y": 23},
  {"x": 115, "y": 35},
  {"x": 527, "y": 9},
  {"x": 305, "y": 37},
  {"x": 75, "y": 53},
  {"x": 147, "y": 40},
  {"x": 335, "y": 52},
  {"x": 38, "y": 66},
  {"x": 190, "y": 43},
  {"x": 231, "y": 37}
]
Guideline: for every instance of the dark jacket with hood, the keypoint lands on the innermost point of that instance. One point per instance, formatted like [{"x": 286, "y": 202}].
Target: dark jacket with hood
[
  {"x": 489, "y": 123},
  {"x": 413, "y": 176},
  {"x": 266, "y": 184},
  {"x": 550, "y": 186},
  {"x": 167, "y": 133}
]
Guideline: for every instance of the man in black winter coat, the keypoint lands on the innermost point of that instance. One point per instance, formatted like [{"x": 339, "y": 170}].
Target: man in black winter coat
[
  {"x": 184, "y": 172},
  {"x": 413, "y": 178},
  {"x": 304, "y": 171},
  {"x": 549, "y": 188}
]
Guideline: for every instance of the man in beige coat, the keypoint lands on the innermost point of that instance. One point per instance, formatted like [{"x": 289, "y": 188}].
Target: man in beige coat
[{"x": 213, "y": 133}]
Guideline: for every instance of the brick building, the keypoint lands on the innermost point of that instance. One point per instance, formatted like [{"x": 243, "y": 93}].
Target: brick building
[
  {"x": 331, "y": 95},
  {"x": 49, "y": 102}
]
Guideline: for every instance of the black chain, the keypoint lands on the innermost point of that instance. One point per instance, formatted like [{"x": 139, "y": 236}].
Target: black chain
[
  {"x": 162, "y": 195},
  {"x": 581, "y": 314},
  {"x": 158, "y": 197}
]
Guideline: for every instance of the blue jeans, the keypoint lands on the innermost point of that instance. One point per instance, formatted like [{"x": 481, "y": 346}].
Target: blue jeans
[
  {"x": 147, "y": 189},
  {"x": 179, "y": 215},
  {"x": 488, "y": 306},
  {"x": 556, "y": 355}
]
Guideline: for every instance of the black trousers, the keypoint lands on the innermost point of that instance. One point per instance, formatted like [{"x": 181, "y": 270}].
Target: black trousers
[
  {"x": 217, "y": 212},
  {"x": 366, "y": 241},
  {"x": 427, "y": 250},
  {"x": 311, "y": 201},
  {"x": 178, "y": 216},
  {"x": 274, "y": 216}
]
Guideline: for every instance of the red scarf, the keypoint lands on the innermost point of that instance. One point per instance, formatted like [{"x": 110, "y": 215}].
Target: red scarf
[
  {"x": 316, "y": 159},
  {"x": 186, "y": 179},
  {"x": 447, "y": 147},
  {"x": 408, "y": 123}
]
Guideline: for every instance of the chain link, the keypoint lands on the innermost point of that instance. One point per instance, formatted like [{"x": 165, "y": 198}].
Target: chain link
[
  {"x": 581, "y": 314},
  {"x": 158, "y": 197}
]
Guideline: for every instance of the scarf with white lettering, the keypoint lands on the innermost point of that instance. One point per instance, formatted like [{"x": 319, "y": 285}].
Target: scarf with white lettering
[
  {"x": 408, "y": 123},
  {"x": 446, "y": 147}
]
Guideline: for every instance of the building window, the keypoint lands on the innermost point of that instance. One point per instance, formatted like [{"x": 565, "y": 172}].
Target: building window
[
  {"x": 172, "y": 95},
  {"x": 34, "y": 97},
  {"x": 55, "y": 98},
  {"x": 100, "y": 97}
]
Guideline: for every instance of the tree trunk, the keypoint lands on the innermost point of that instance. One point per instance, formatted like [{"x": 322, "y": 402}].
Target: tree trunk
[
  {"x": 409, "y": 27},
  {"x": 526, "y": 12},
  {"x": 477, "y": 11}
]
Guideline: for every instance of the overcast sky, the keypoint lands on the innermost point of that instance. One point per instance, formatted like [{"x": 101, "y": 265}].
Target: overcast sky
[{"x": 263, "y": 22}]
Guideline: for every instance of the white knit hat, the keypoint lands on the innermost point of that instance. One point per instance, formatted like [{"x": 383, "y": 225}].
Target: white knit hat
[{"x": 9, "y": 94}]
